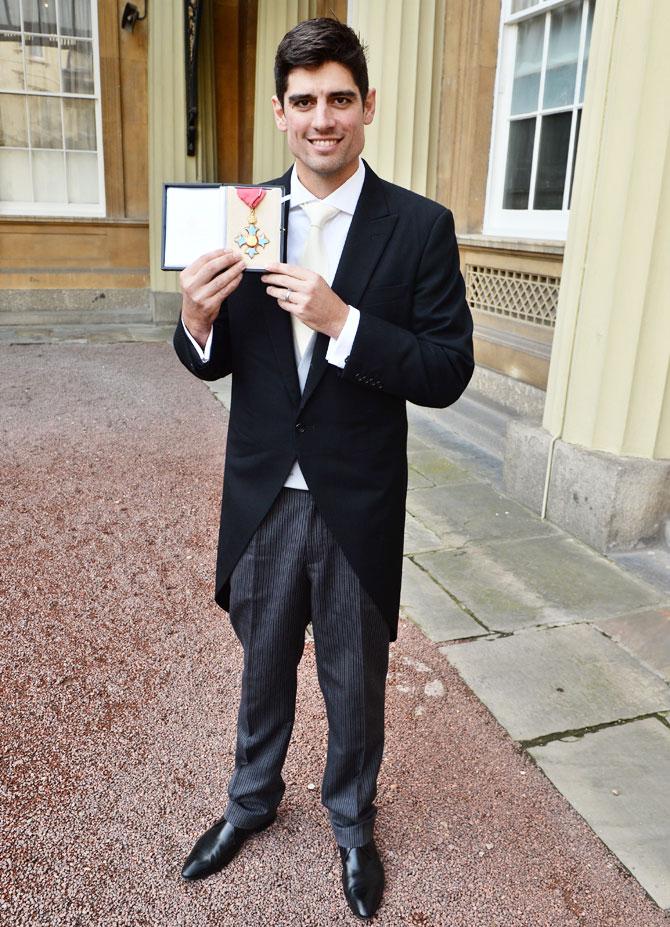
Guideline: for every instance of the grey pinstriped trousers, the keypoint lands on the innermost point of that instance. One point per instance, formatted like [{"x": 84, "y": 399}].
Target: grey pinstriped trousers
[{"x": 292, "y": 571}]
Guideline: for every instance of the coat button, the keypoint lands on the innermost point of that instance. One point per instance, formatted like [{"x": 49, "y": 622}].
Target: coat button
[{"x": 300, "y": 427}]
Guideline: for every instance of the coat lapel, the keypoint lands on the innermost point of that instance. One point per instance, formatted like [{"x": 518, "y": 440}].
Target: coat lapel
[
  {"x": 278, "y": 321},
  {"x": 370, "y": 229}
]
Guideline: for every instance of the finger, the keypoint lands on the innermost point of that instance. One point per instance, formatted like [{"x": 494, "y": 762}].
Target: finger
[
  {"x": 199, "y": 262},
  {"x": 292, "y": 270},
  {"x": 279, "y": 293},
  {"x": 222, "y": 280},
  {"x": 230, "y": 287},
  {"x": 211, "y": 268},
  {"x": 289, "y": 283},
  {"x": 211, "y": 306}
]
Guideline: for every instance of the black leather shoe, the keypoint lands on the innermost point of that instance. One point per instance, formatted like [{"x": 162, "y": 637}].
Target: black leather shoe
[
  {"x": 362, "y": 878},
  {"x": 215, "y": 849}
]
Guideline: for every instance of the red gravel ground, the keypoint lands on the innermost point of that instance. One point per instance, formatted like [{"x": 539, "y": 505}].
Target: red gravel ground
[{"x": 120, "y": 680}]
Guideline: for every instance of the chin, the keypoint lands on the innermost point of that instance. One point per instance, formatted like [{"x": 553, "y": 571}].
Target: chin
[{"x": 327, "y": 166}]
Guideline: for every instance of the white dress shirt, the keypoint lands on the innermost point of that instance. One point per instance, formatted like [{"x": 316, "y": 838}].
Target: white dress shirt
[{"x": 334, "y": 233}]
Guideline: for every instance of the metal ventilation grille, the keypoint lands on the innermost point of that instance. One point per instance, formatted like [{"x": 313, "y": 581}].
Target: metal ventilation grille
[{"x": 512, "y": 293}]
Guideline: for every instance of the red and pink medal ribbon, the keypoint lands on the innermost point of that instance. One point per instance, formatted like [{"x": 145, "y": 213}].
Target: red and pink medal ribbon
[
  {"x": 252, "y": 196},
  {"x": 251, "y": 239}
]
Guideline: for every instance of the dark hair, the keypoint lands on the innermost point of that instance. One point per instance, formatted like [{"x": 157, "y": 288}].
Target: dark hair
[{"x": 316, "y": 41}]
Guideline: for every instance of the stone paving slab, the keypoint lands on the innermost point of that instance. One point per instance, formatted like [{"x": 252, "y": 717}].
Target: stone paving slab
[
  {"x": 479, "y": 461},
  {"x": 429, "y": 606},
  {"x": 418, "y": 537},
  {"x": 650, "y": 564},
  {"x": 471, "y": 511},
  {"x": 414, "y": 442},
  {"x": 498, "y": 598},
  {"x": 644, "y": 634},
  {"x": 416, "y": 480},
  {"x": 543, "y": 580},
  {"x": 436, "y": 467},
  {"x": 617, "y": 779},
  {"x": 546, "y": 681}
]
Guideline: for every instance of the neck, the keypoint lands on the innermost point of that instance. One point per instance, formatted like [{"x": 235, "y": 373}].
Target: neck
[{"x": 323, "y": 185}]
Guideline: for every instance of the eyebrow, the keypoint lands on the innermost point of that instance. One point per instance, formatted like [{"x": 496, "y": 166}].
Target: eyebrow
[{"x": 296, "y": 97}]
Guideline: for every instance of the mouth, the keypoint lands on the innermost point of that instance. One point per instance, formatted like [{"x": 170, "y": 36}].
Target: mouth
[{"x": 324, "y": 144}]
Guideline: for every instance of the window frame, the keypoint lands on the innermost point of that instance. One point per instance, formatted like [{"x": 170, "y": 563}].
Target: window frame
[
  {"x": 541, "y": 224},
  {"x": 55, "y": 209}
]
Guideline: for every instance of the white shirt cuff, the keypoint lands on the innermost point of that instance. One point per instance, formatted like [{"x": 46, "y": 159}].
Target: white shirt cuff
[
  {"x": 203, "y": 353},
  {"x": 339, "y": 348}
]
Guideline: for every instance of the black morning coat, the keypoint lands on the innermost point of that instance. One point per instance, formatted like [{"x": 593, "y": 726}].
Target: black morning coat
[{"x": 400, "y": 268}]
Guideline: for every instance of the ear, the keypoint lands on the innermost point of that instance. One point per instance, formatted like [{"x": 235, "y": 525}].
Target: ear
[
  {"x": 369, "y": 107},
  {"x": 280, "y": 118}
]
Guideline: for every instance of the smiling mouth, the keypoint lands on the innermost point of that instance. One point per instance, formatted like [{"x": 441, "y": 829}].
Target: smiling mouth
[{"x": 323, "y": 142}]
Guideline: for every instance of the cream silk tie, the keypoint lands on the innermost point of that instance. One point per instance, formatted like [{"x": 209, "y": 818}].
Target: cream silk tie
[{"x": 315, "y": 258}]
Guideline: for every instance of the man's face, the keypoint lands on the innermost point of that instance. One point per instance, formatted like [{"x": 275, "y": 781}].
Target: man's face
[{"x": 323, "y": 118}]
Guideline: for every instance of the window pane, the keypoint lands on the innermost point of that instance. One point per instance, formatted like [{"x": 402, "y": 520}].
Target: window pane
[
  {"x": 15, "y": 183},
  {"x": 519, "y": 163},
  {"x": 562, "y": 55},
  {"x": 42, "y": 63},
  {"x": 46, "y": 130},
  {"x": 82, "y": 177},
  {"x": 11, "y": 60},
  {"x": 9, "y": 14},
  {"x": 13, "y": 127},
  {"x": 39, "y": 16},
  {"x": 587, "y": 46},
  {"x": 518, "y": 5},
  {"x": 49, "y": 176},
  {"x": 528, "y": 64},
  {"x": 77, "y": 63},
  {"x": 79, "y": 118},
  {"x": 574, "y": 154},
  {"x": 553, "y": 161},
  {"x": 74, "y": 17}
]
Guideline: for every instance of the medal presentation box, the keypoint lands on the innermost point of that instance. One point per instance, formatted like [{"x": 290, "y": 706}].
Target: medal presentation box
[{"x": 202, "y": 217}]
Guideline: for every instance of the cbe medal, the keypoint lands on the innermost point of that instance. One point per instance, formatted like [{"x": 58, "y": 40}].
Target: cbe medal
[{"x": 251, "y": 239}]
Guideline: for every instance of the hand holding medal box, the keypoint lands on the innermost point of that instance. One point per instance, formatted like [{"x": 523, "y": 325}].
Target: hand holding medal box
[{"x": 199, "y": 218}]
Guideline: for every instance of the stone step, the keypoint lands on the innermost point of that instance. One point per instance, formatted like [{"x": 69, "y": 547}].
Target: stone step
[
  {"x": 99, "y": 332},
  {"x": 74, "y": 307},
  {"x": 474, "y": 418},
  {"x": 479, "y": 420}
]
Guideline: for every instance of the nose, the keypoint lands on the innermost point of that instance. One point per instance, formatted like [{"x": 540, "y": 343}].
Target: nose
[{"x": 323, "y": 117}]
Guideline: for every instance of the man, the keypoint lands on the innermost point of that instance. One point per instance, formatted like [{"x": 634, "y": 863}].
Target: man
[{"x": 324, "y": 351}]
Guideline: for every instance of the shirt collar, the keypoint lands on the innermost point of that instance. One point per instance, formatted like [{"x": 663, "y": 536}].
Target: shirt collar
[{"x": 345, "y": 198}]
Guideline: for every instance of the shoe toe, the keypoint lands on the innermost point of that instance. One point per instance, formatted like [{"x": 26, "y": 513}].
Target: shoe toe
[
  {"x": 194, "y": 869},
  {"x": 212, "y": 851},
  {"x": 365, "y": 900},
  {"x": 363, "y": 880}
]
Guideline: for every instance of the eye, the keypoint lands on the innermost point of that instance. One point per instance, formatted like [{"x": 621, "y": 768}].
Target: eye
[{"x": 342, "y": 101}]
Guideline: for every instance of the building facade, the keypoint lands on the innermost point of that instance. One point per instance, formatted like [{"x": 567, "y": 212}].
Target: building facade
[{"x": 543, "y": 124}]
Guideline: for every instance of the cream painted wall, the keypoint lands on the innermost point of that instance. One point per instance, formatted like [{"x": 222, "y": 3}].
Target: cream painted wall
[
  {"x": 168, "y": 160},
  {"x": 405, "y": 47},
  {"x": 275, "y": 18},
  {"x": 405, "y": 42}
]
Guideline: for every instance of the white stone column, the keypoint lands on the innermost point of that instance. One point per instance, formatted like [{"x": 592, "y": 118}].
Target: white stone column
[
  {"x": 608, "y": 384},
  {"x": 608, "y": 399}
]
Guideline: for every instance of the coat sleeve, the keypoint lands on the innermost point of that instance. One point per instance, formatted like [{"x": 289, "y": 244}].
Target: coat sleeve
[
  {"x": 220, "y": 359},
  {"x": 430, "y": 363}
]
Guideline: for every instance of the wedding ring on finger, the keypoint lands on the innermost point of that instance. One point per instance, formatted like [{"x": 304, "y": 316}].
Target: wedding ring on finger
[{"x": 287, "y": 296}]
